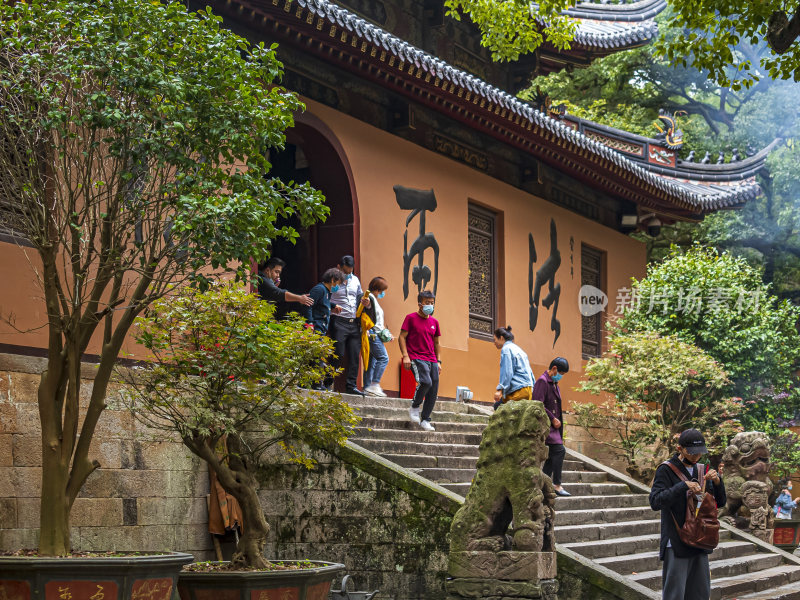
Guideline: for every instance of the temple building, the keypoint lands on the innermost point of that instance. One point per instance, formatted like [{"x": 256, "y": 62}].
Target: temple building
[{"x": 439, "y": 178}]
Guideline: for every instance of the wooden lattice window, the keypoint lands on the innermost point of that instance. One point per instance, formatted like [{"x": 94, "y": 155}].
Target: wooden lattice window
[
  {"x": 482, "y": 260},
  {"x": 12, "y": 213},
  {"x": 592, "y": 326}
]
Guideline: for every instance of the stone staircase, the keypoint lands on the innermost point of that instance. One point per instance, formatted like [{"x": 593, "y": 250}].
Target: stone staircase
[{"x": 607, "y": 520}]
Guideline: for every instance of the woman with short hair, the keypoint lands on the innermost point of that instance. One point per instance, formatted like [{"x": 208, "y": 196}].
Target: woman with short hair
[
  {"x": 547, "y": 392},
  {"x": 378, "y": 335}
]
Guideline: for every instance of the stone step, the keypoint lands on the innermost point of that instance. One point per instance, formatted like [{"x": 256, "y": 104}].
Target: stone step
[
  {"x": 604, "y": 531},
  {"x": 604, "y": 515},
  {"x": 381, "y": 423},
  {"x": 583, "y": 477},
  {"x": 790, "y": 591},
  {"x": 619, "y": 547},
  {"x": 418, "y": 461},
  {"x": 601, "y": 502},
  {"x": 734, "y": 587},
  {"x": 459, "y": 488},
  {"x": 729, "y": 568},
  {"x": 649, "y": 561},
  {"x": 419, "y": 435},
  {"x": 578, "y": 489},
  {"x": 441, "y": 405},
  {"x": 575, "y": 465},
  {"x": 401, "y": 414},
  {"x": 607, "y": 488},
  {"x": 447, "y": 475},
  {"x": 424, "y": 448}
]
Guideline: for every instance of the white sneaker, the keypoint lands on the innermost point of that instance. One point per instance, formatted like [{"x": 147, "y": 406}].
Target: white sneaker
[
  {"x": 426, "y": 426},
  {"x": 414, "y": 414},
  {"x": 374, "y": 390}
]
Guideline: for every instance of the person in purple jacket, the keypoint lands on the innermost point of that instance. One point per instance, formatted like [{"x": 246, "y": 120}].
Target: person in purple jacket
[{"x": 546, "y": 391}]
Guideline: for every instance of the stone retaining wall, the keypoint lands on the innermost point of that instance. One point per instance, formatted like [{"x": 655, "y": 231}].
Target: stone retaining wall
[
  {"x": 388, "y": 538},
  {"x": 146, "y": 496}
]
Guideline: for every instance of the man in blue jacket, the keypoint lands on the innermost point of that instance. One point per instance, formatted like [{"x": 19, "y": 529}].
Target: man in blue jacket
[
  {"x": 685, "y": 574},
  {"x": 319, "y": 313}
]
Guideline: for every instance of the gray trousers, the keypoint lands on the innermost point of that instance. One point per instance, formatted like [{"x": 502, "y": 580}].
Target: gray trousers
[
  {"x": 427, "y": 376},
  {"x": 685, "y": 578}
]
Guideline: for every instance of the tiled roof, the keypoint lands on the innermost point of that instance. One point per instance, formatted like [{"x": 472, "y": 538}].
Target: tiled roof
[
  {"x": 685, "y": 193},
  {"x": 615, "y": 25}
]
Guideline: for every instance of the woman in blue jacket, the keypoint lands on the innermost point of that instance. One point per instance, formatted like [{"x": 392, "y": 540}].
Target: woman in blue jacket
[
  {"x": 516, "y": 377},
  {"x": 784, "y": 505}
]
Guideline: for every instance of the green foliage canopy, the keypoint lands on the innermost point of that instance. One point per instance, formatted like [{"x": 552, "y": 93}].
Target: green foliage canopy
[
  {"x": 718, "y": 302},
  {"x": 715, "y": 32},
  {"x": 658, "y": 386},
  {"x": 516, "y": 27}
]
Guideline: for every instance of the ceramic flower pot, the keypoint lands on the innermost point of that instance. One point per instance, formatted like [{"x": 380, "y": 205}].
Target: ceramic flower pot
[
  {"x": 147, "y": 577},
  {"x": 313, "y": 583}
]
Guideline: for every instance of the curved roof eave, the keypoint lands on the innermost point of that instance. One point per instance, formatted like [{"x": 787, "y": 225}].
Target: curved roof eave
[{"x": 686, "y": 195}]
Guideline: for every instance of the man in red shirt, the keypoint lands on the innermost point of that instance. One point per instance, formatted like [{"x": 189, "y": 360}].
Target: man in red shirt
[{"x": 419, "y": 344}]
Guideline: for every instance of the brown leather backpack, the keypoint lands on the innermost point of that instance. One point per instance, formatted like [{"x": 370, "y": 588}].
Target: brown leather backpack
[{"x": 701, "y": 528}]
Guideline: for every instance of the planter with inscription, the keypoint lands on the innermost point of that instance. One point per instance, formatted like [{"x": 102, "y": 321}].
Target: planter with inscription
[
  {"x": 148, "y": 577},
  {"x": 313, "y": 583}
]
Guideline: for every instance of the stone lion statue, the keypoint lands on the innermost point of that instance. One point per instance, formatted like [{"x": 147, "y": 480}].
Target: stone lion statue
[
  {"x": 509, "y": 486},
  {"x": 748, "y": 487}
]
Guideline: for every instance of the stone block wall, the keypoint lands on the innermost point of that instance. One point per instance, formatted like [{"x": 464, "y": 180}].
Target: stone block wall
[
  {"x": 147, "y": 495},
  {"x": 388, "y": 538},
  {"x": 589, "y": 443}
]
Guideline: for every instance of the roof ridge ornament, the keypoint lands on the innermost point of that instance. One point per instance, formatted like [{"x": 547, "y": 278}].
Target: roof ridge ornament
[
  {"x": 667, "y": 129},
  {"x": 542, "y": 102}
]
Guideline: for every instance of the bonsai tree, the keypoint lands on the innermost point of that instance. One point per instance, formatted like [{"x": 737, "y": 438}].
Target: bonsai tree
[
  {"x": 225, "y": 379},
  {"x": 133, "y": 141},
  {"x": 656, "y": 387}
]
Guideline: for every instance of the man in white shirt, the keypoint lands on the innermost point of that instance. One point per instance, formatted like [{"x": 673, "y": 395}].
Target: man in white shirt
[{"x": 345, "y": 328}]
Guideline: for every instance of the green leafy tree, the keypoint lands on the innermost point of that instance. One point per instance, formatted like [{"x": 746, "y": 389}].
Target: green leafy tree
[
  {"x": 715, "y": 34},
  {"x": 719, "y": 303},
  {"x": 515, "y": 27},
  {"x": 656, "y": 386},
  {"x": 134, "y": 151},
  {"x": 225, "y": 375},
  {"x": 784, "y": 454}
]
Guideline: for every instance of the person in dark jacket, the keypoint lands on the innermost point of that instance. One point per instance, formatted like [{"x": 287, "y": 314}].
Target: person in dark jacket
[
  {"x": 685, "y": 573},
  {"x": 269, "y": 278},
  {"x": 546, "y": 391},
  {"x": 319, "y": 313}
]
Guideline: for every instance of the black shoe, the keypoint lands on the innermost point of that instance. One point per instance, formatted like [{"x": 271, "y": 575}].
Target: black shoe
[
  {"x": 354, "y": 391},
  {"x": 563, "y": 493}
]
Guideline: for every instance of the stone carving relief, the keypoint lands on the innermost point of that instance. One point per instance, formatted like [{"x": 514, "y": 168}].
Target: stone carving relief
[{"x": 747, "y": 485}]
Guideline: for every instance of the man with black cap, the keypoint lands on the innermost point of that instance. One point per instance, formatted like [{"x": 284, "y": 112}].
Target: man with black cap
[{"x": 685, "y": 574}]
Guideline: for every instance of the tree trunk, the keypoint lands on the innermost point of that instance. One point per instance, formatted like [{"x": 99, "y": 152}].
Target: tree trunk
[
  {"x": 54, "y": 537},
  {"x": 236, "y": 478},
  {"x": 250, "y": 550}
]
